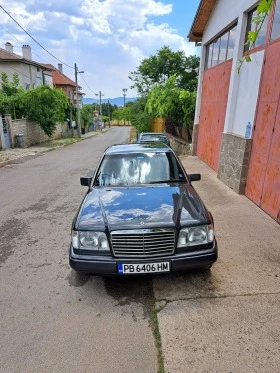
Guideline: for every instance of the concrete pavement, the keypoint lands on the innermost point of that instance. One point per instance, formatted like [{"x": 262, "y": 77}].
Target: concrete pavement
[{"x": 226, "y": 320}]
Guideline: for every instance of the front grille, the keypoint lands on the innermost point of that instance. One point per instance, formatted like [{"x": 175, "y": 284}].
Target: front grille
[{"x": 143, "y": 243}]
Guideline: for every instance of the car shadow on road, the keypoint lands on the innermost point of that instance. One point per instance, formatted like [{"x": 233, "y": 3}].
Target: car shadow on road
[{"x": 187, "y": 285}]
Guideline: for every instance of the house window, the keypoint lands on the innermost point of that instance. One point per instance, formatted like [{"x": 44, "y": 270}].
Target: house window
[
  {"x": 221, "y": 49},
  {"x": 275, "y": 33},
  {"x": 27, "y": 86},
  {"x": 253, "y": 27},
  {"x": 216, "y": 49},
  {"x": 209, "y": 51},
  {"x": 231, "y": 42}
]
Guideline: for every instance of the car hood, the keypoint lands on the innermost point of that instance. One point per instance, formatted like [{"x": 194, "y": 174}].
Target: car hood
[{"x": 167, "y": 205}]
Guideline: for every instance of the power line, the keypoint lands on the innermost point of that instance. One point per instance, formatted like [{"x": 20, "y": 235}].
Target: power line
[
  {"x": 87, "y": 84},
  {"x": 35, "y": 39},
  {"x": 21, "y": 43}
]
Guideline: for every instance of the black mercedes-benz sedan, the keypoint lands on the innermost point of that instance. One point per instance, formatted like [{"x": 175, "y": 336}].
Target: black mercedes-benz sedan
[{"x": 141, "y": 215}]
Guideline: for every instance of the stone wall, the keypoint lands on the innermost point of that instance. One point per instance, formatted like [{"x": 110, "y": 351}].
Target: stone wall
[
  {"x": 234, "y": 161},
  {"x": 32, "y": 132},
  {"x": 180, "y": 146}
]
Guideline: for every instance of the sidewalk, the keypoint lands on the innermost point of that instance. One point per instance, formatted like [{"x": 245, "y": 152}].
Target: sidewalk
[
  {"x": 12, "y": 155},
  {"x": 227, "y": 319}
]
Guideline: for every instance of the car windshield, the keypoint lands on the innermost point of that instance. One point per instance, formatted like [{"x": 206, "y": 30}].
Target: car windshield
[
  {"x": 148, "y": 137},
  {"x": 138, "y": 168}
]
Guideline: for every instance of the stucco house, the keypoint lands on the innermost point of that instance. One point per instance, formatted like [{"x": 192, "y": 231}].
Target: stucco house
[
  {"x": 237, "y": 120},
  {"x": 31, "y": 73}
]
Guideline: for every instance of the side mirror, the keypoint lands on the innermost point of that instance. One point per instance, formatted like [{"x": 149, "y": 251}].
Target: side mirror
[
  {"x": 195, "y": 177},
  {"x": 85, "y": 181}
]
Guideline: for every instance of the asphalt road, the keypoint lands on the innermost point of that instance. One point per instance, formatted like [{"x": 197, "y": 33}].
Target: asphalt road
[{"x": 53, "y": 320}]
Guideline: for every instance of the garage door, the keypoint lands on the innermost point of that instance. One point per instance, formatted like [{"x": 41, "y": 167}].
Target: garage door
[
  {"x": 212, "y": 113},
  {"x": 263, "y": 181}
]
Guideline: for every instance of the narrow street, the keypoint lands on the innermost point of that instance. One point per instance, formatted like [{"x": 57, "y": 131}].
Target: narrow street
[{"x": 53, "y": 320}]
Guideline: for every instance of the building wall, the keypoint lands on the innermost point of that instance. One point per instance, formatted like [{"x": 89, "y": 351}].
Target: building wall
[
  {"x": 32, "y": 132},
  {"x": 247, "y": 165},
  {"x": 68, "y": 90},
  {"x": 28, "y": 74},
  {"x": 243, "y": 87},
  {"x": 248, "y": 82}
]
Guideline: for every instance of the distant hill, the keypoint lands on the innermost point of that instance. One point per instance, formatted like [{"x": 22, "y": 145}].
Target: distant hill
[{"x": 113, "y": 101}]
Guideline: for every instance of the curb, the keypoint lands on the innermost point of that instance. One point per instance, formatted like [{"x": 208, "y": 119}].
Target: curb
[{"x": 4, "y": 163}]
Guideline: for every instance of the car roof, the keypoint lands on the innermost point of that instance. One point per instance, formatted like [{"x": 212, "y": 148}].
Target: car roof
[
  {"x": 153, "y": 133},
  {"x": 138, "y": 148}
]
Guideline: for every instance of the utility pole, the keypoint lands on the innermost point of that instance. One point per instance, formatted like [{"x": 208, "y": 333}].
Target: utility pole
[
  {"x": 77, "y": 104},
  {"x": 109, "y": 113},
  {"x": 100, "y": 94},
  {"x": 96, "y": 94},
  {"x": 70, "y": 116},
  {"x": 124, "y": 94}
]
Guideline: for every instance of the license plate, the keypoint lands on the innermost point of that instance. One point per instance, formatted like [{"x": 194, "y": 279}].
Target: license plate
[{"x": 144, "y": 268}]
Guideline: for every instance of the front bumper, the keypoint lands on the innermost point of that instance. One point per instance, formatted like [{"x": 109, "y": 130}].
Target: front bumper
[{"x": 178, "y": 262}]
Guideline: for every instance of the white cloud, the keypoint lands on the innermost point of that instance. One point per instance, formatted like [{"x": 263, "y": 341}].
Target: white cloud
[{"x": 106, "y": 38}]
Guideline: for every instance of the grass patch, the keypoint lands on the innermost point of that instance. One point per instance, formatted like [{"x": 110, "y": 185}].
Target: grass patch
[
  {"x": 155, "y": 327},
  {"x": 60, "y": 142},
  {"x": 153, "y": 315}
]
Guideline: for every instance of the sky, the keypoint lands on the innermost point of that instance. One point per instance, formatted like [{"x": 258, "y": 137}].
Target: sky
[{"x": 105, "y": 38}]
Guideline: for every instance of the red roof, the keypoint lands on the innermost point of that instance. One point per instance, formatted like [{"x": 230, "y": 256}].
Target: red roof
[
  {"x": 59, "y": 78},
  {"x": 6, "y": 56}
]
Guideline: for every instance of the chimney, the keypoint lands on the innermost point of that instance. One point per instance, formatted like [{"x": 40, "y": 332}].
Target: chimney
[
  {"x": 60, "y": 67},
  {"x": 26, "y": 52},
  {"x": 9, "y": 47}
]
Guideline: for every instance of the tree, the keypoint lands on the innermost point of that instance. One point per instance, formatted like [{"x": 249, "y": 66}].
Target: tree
[
  {"x": 46, "y": 106},
  {"x": 117, "y": 115},
  {"x": 170, "y": 101},
  {"x": 87, "y": 115},
  {"x": 158, "y": 68},
  {"x": 139, "y": 118},
  {"x": 11, "y": 94},
  {"x": 123, "y": 113},
  {"x": 10, "y": 88}
]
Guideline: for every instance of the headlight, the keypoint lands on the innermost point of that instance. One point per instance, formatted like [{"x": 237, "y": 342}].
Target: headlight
[
  {"x": 196, "y": 236},
  {"x": 92, "y": 241}
]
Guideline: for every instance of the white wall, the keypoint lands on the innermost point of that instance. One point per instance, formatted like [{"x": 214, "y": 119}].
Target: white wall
[
  {"x": 27, "y": 73},
  {"x": 12, "y": 68},
  {"x": 224, "y": 14},
  {"x": 247, "y": 94}
]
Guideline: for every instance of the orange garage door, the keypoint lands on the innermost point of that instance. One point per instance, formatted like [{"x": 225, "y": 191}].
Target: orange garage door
[
  {"x": 212, "y": 113},
  {"x": 263, "y": 181}
]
